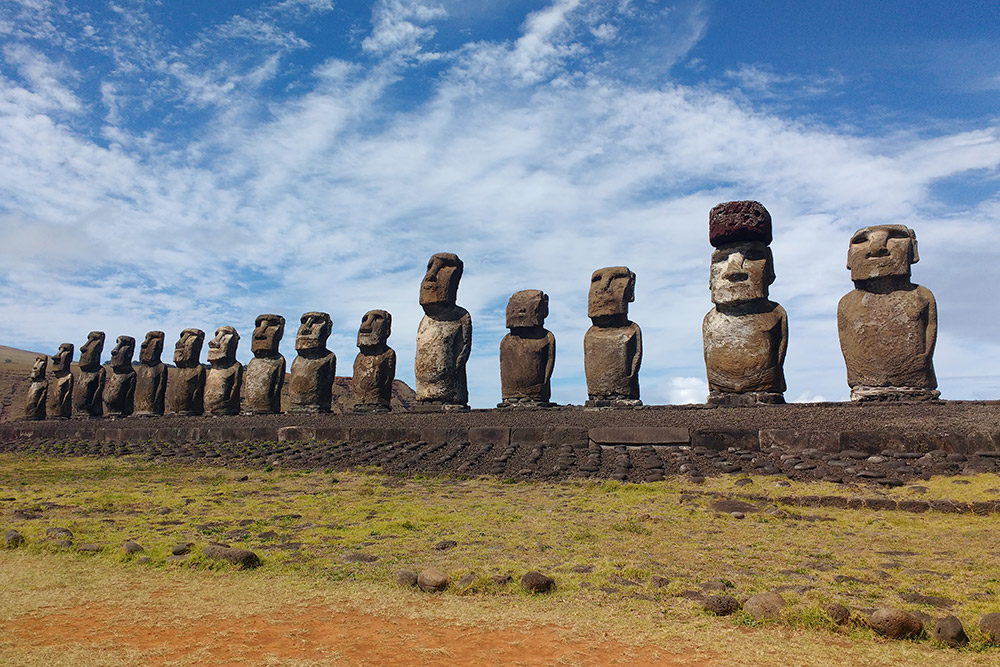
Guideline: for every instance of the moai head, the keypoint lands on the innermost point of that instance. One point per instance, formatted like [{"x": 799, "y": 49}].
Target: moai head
[
  {"x": 742, "y": 264},
  {"x": 439, "y": 288},
  {"x": 63, "y": 358},
  {"x": 187, "y": 351},
  {"x": 527, "y": 309},
  {"x": 222, "y": 348},
  {"x": 267, "y": 335},
  {"x": 882, "y": 251},
  {"x": 375, "y": 328},
  {"x": 313, "y": 332},
  {"x": 611, "y": 290},
  {"x": 121, "y": 356},
  {"x": 90, "y": 352},
  {"x": 152, "y": 348},
  {"x": 38, "y": 368}
]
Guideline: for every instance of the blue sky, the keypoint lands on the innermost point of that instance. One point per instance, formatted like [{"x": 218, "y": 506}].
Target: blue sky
[{"x": 175, "y": 164}]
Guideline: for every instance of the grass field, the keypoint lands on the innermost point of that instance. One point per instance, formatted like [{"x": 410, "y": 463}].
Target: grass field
[{"x": 629, "y": 560}]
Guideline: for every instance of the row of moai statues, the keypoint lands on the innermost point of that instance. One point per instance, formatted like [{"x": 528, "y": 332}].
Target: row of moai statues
[{"x": 887, "y": 326}]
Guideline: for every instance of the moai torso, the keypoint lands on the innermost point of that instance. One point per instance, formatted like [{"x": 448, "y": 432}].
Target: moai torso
[
  {"x": 313, "y": 370},
  {"x": 224, "y": 379},
  {"x": 264, "y": 376},
  {"x": 186, "y": 382},
  {"x": 375, "y": 365},
  {"x": 444, "y": 337},
  {"x": 38, "y": 392},
  {"x": 744, "y": 352},
  {"x": 119, "y": 388},
  {"x": 527, "y": 353},
  {"x": 61, "y": 389},
  {"x": 612, "y": 347},
  {"x": 151, "y": 377},
  {"x": 887, "y": 324},
  {"x": 89, "y": 390}
]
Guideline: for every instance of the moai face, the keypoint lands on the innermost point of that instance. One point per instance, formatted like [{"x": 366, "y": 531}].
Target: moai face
[
  {"x": 187, "y": 351},
  {"x": 527, "y": 308},
  {"x": 63, "y": 358},
  {"x": 313, "y": 332},
  {"x": 267, "y": 335},
  {"x": 741, "y": 272},
  {"x": 440, "y": 283},
  {"x": 375, "y": 328},
  {"x": 90, "y": 353},
  {"x": 611, "y": 290},
  {"x": 222, "y": 348},
  {"x": 121, "y": 356},
  {"x": 882, "y": 251},
  {"x": 38, "y": 368},
  {"x": 152, "y": 348}
]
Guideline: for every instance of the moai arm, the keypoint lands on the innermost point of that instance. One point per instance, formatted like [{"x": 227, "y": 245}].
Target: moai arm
[
  {"x": 390, "y": 364},
  {"x": 637, "y": 359},
  {"x": 551, "y": 363},
  {"x": 783, "y": 345},
  {"x": 463, "y": 353},
  {"x": 277, "y": 379},
  {"x": 930, "y": 336}
]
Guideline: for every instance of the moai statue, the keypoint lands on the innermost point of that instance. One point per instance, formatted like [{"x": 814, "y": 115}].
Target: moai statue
[
  {"x": 527, "y": 353},
  {"x": 375, "y": 365},
  {"x": 311, "y": 388},
  {"x": 38, "y": 392},
  {"x": 151, "y": 377},
  {"x": 186, "y": 382},
  {"x": 89, "y": 392},
  {"x": 612, "y": 347},
  {"x": 888, "y": 325},
  {"x": 119, "y": 391},
  {"x": 444, "y": 338},
  {"x": 745, "y": 335},
  {"x": 225, "y": 377},
  {"x": 61, "y": 396},
  {"x": 265, "y": 374}
]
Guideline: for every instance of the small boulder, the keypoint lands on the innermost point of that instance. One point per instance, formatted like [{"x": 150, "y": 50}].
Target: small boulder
[
  {"x": 895, "y": 623},
  {"x": 501, "y": 579},
  {"x": 13, "y": 539},
  {"x": 721, "y": 605},
  {"x": 56, "y": 533},
  {"x": 838, "y": 613},
  {"x": 359, "y": 557},
  {"x": 406, "y": 578},
  {"x": 444, "y": 545},
  {"x": 182, "y": 549},
  {"x": 90, "y": 548},
  {"x": 432, "y": 580},
  {"x": 242, "y": 557},
  {"x": 989, "y": 625},
  {"x": 536, "y": 582},
  {"x": 466, "y": 581},
  {"x": 131, "y": 547},
  {"x": 764, "y": 606},
  {"x": 949, "y": 631}
]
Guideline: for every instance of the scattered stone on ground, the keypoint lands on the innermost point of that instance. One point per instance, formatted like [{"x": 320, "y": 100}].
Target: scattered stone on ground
[
  {"x": 536, "y": 582},
  {"x": 721, "y": 605},
  {"x": 432, "y": 580},
  {"x": 895, "y": 623},
  {"x": 989, "y": 625},
  {"x": 949, "y": 630},
  {"x": 89, "y": 548},
  {"x": 501, "y": 579},
  {"x": 131, "y": 547},
  {"x": 838, "y": 613},
  {"x": 12, "y": 539},
  {"x": 242, "y": 557},
  {"x": 466, "y": 581},
  {"x": 360, "y": 557},
  {"x": 444, "y": 545},
  {"x": 181, "y": 549},
  {"x": 764, "y": 606},
  {"x": 58, "y": 533},
  {"x": 406, "y": 578}
]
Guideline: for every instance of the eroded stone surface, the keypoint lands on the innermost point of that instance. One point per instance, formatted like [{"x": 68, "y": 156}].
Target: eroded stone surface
[
  {"x": 119, "y": 388},
  {"x": 444, "y": 338},
  {"x": 528, "y": 352},
  {"x": 745, "y": 335},
  {"x": 38, "y": 392},
  {"x": 186, "y": 382},
  {"x": 612, "y": 347},
  {"x": 61, "y": 390},
  {"x": 375, "y": 365},
  {"x": 264, "y": 377},
  {"x": 895, "y": 623},
  {"x": 225, "y": 377},
  {"x": 89, "y": 390},
  {"x": 150, "y": 377},
  {"x": 311, "y": 386},
  {"x": 887, "y": 324}
]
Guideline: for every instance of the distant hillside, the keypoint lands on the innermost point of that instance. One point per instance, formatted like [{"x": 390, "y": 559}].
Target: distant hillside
[{"x": 13, "y": 359}]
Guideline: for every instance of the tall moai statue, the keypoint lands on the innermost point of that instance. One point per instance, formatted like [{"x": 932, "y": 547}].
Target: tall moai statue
[
  {"x": 61, "y": 391},
  {"x": 375, "y": 365},
  {"x": 265, "y": 374},
  {"x": 119, "y": 389},
  {"x": 151, "y": 377},
  {"x": 887, "y": 324},
  {"x": 612, "y": 347},
  {"x": 745, "y": 335},
  {"x": 225, "y": 377},
  {"x": 38, "y": 392},
  {"x": 89, "y": 391},
  {"x": 186, "y": 382},
  {"x": 444, "y": 338},
  {"x": 311, "y": 386},
  {"x": 527, "y": 353}
]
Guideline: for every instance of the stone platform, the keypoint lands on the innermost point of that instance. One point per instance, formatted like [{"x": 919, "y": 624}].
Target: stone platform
[{"x": 879, "y": 443}]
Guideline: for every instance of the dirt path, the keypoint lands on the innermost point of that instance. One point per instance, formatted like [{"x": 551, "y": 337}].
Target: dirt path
[{"x": 316, "y": 634}]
